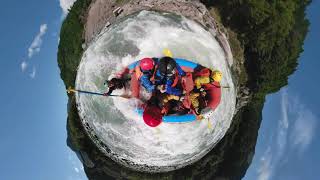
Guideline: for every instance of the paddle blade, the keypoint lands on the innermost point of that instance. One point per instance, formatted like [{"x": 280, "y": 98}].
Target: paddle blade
[
  {"x": 209, "y": 124},
  {"x": 70, "y": 90},
  {"x": 152, "y": 116}
]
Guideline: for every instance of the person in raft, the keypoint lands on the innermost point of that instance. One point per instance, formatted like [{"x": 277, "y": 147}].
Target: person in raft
[
  {"x": 169, "y": 102},
  {"x": 207, "y": 80},
  {"x": 115, "y": 83},
  {"x": 161, "y": 74},
  {"x": 196, "y": 99},
  {"x": 207, "y": 76}
]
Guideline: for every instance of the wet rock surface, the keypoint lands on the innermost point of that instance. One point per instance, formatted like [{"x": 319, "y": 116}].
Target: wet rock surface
[{"x": 101, "y": 13}]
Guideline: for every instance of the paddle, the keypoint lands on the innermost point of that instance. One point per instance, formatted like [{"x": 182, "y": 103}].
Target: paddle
[{"x": 71, "y": 90}]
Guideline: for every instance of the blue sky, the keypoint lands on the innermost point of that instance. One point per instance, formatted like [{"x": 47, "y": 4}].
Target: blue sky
[
  {"x": 288, "y": 146},
  {"x": 33, "y": 123}
]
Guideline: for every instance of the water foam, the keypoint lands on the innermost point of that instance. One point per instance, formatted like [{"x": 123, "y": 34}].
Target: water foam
[{"x": 115, "y": 121}]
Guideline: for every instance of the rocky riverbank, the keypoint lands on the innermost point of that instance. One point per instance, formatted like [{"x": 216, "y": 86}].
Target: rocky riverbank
[{"x": 106, "y": 12}]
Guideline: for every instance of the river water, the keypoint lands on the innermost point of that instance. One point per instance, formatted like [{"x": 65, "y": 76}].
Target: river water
[{"x": 114, "y": 120}]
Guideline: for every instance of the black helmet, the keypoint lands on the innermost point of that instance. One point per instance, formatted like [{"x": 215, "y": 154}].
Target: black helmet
[
  {"x": 171, "y": 68},
  {"x": 167, "y": 66}
]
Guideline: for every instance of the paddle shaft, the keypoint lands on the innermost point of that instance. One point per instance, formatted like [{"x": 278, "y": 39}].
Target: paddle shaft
[{"x": 89, "y": 92}]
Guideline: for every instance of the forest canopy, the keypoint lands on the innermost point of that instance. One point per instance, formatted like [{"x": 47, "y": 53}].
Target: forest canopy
[{"x": 272, "y": 34}]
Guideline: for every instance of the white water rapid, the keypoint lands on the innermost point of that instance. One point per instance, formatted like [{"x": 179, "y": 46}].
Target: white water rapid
[{"x": 114, "y": 120}]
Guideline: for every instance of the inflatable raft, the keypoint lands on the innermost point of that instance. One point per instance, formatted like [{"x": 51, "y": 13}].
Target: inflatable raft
[{"x": 213, "y": 92}]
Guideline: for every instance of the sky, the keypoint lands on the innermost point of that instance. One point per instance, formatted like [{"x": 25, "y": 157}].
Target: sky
[
  {"x": 34, "y": 103},
  {"x": 288, "y": 146},
  {"x": 33, "y": 122}
]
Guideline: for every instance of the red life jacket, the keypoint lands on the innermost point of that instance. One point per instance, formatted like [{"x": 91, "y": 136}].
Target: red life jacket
[
  {"x": 187, "y": 82},
  {"x": 214, "y": 94},
  {"x": 205, "y": 72}
]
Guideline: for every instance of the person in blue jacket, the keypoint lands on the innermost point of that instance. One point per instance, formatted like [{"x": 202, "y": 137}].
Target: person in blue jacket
[
  {"x": 147, "y": 67},
  {"x": 164, "y": 72}
]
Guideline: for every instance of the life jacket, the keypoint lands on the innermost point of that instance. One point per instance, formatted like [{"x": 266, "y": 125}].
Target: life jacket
[
  {"x": 139, "y": 73},
  {"x": 136, "y": 74},
  {"x": 187, "y": 85},
  {"x": 205, "y": 72},
  {"x": 175, "y": 81},
  {"x": 135, "y": 86},
  {"x": 187, "y": 82},
  {"x": 214, "y": 94}
]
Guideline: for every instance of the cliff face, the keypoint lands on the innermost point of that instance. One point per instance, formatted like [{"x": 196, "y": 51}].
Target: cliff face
[{"x": 233, "y": 154}]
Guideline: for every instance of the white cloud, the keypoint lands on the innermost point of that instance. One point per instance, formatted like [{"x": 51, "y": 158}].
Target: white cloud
[
  {"x": 35, "y": 47},
  {"x": 265, "y": 169},
  {"x": 37, "y": 42},
  {"x": 33, "y": 73},
  {"x": 296, "y": 129},
  {"x": 23, "y": 66},
  {"x": 66, "y": 5},
  {"x": 303, "y": 129},
  {"x": 76, "y": 169},
  {"x": 274, "y": 153},
  {"x": 283, "y": 124}
]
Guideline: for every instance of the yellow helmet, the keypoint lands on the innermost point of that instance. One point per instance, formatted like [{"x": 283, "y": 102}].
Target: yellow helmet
[
  {"x": 216, "y": 75},
  {"x": 167, "y": 53}
]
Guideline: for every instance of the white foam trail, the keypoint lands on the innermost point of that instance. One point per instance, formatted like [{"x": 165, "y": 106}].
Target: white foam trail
[{"x": 115, "y": 121}]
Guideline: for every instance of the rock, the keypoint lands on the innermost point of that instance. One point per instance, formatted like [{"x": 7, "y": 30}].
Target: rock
[
  {"x": 108, "y": 24},
  {"x": 117, "y": 11},
  {"x": 98, "y": 16}
]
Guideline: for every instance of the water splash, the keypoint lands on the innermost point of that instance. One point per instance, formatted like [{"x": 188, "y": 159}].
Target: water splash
[{"x": 115, "y": 122}]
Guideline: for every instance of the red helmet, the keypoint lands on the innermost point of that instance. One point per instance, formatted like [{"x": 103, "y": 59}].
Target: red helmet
[
  {"x": 152, "y": 116},
  {"x": 146, "y": 64}
]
